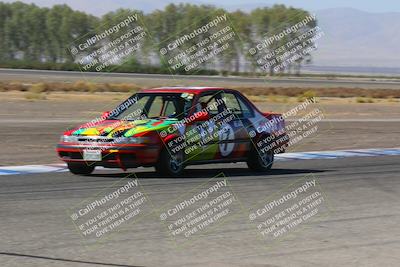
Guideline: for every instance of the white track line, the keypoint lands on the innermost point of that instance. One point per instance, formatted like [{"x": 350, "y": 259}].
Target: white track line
[{"x": 373, "y": 152}]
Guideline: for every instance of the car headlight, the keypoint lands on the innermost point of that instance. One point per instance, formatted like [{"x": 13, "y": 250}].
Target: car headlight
[{"x": 69, "y": 138}]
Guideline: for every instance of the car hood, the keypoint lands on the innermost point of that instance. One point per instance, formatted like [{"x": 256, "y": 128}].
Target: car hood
[{"x": 119, "y": 128}]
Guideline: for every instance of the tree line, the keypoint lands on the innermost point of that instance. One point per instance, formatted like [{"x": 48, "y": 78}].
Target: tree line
[{"x": 40, "y": 38}]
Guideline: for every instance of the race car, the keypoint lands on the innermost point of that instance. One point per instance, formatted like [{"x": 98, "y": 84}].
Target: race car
[{"x": 170, "y": 128}]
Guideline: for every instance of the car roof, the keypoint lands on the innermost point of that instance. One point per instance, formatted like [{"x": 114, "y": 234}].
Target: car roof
[{"x": 182, "y": 89}]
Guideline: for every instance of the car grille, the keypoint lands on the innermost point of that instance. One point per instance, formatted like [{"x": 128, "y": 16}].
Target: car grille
[
  {"x": 79, "y": 155},
  {"x": 95, "y": 139}
]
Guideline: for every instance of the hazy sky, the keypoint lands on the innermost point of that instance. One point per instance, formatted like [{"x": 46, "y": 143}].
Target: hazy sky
[{"x": 100, "y": 7}]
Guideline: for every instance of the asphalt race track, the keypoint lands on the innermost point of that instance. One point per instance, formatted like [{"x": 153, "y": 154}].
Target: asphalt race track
[{"x": 361, "y": 227}]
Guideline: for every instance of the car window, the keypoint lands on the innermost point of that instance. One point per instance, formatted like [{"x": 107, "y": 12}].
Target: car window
[
  {"x": 169, "y": 108},
  {"x": 166, "y": 105},
  {"x": 232, "y": 104},
  {"x": 246, "y": 110},
  {"x": 208, "y": 101},
  {"x": 236, "y": 105},
  {"x": 155, "y": 108},
  {"x": 134, "y": 111}
]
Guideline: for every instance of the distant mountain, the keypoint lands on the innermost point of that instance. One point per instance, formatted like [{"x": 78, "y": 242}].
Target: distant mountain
[{"x": 358, "y": 38}]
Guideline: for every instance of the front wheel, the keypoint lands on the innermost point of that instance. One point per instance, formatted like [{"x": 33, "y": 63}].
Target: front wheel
[
  {"x": 80, "y": 168},
  {"x": 169, "y": 163},
  {"x": 260, "y": 160}
]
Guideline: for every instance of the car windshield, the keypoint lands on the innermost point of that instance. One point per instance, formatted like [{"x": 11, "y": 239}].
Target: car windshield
[{"x": 153, "y": 105}]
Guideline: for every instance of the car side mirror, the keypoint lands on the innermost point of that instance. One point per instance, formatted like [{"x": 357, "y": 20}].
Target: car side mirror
[
  {"x": 105, "y": 115},
  {"x": 200, "y": 116}
]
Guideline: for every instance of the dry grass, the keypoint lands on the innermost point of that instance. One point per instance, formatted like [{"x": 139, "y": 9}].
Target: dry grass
[
  {"x": 36, "y": 91},
  {"x": 274, "y": 94},
  {"x": 322, "y": 92},
  {"x": 364, "y": 100},
  {"x": 278, "y": 98},
  {"x": 79, "y": 86},
  {"x": 310, "y": 94},
  {"x": 13, "y": 86},
  {"x": 39, "y": 88},
  {"x": 35, "y": 96}
]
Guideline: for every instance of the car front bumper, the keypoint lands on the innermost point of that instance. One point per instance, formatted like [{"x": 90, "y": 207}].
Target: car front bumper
[{"x": 122, "y": 156}]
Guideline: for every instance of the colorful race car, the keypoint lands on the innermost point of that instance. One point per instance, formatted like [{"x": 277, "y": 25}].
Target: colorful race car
[{"x": 171, "y": 127}]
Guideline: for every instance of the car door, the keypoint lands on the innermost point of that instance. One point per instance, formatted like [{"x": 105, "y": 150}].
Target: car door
[
  {"x": 234, "y": 137},
  {"x": 202, "y": 138}
]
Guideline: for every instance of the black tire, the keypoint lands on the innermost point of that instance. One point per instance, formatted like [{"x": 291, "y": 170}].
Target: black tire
[
  {"x": 80, "y": 168},
  {"x": 260, "y": 160},
  {"x": 170, "y": 164}
]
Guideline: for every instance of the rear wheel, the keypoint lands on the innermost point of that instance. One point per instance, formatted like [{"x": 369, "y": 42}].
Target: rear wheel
[
  {"x": 260, "y": 159},
  {"x": 170, "y": 163},
  {"x": 80, "y": 168}
]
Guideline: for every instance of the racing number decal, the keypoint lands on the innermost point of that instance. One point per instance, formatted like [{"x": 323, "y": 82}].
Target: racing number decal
[{"x": 226, "y": 133}]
